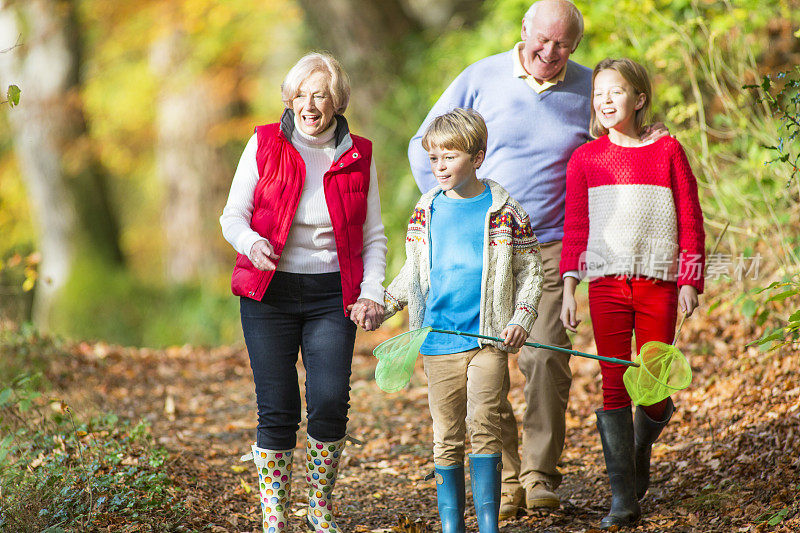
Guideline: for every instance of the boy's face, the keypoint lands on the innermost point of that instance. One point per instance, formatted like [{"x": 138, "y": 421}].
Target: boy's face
[{"x": 455, "y": 171}]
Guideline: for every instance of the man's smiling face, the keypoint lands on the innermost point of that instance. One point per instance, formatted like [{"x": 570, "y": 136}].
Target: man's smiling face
[{"x": 550, "y": 37}]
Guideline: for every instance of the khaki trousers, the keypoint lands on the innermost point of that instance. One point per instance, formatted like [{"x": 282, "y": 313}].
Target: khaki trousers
[
  {"x": 474, "y": 377},
  {"x": 547, "y": 381}
]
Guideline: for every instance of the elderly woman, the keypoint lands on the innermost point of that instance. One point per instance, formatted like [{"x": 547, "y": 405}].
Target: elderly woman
[{"x": 304, "y": 215}]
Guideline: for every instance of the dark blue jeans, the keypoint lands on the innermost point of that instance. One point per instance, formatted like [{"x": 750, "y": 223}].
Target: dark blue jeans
[{"x": 299, "y": 312}]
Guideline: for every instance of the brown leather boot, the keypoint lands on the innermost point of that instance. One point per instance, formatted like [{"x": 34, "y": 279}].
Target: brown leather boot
[
  {"x": 541, "y": 496},
  {"x": 511, "y": 499}
]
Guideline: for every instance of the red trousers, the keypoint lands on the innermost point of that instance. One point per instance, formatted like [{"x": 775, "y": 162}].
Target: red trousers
[{"x": 621, "y": 306}]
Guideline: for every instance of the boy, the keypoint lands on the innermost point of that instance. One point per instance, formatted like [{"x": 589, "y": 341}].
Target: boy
[{"x": 472, "y": 265}]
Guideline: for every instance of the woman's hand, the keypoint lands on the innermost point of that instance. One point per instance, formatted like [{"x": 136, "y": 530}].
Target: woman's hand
[
  {"x": 366, "y": 314},
  {"x": 262, "y": 255},
  {"x": 687, "y": 299},
  {"x": 514, "y": 335}
]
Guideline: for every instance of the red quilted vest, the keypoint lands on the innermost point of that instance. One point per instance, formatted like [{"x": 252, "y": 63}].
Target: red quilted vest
[{"x": 282, "y": 174}]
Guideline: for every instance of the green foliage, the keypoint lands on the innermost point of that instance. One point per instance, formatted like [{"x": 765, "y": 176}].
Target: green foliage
[
  {"x": 18, "y": 274},
  {"x": 12, "y": 95},
  {"x": 102, "y": 302},
  {"x": 244, "y": 47},
  {"x": 785, "y": 104},
  {"x": 25, "y": 350},
  {"x": 60, "y": 472},
  {"x": 788, "y": 332},
  {"x": 778, "y": 517},
  {"x": 781, "y": 94}
]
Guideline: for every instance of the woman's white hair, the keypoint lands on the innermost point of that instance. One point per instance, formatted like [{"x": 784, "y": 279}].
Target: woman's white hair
[
  {"x": 577, "y": 18},
  {"x": 338, "y": 82}
]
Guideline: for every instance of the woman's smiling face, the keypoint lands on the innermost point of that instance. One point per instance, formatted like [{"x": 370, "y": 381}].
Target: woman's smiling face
[{"x": 313, "y": 106}]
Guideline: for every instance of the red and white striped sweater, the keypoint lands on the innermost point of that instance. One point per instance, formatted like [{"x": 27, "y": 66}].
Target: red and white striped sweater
[{"x": 633, "y": 211}]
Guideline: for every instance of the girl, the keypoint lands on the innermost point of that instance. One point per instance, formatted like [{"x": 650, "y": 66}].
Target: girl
[{"x": 634, "y": 227}]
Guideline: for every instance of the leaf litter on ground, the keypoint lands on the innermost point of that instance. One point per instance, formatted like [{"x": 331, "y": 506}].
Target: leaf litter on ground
[{"x": 728, "y": 461}]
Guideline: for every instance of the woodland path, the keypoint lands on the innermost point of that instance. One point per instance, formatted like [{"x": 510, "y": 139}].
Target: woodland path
[{"x": 728, "y": 462}]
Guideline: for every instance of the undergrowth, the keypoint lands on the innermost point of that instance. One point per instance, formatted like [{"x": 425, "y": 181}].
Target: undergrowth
[{"x": 59, "y": 472}]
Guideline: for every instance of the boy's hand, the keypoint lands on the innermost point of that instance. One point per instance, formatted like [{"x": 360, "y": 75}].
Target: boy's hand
[
  {"x": 514, "y": 335},
  {"x": 366, "y": 314},
  {"x": 569, "y": 312},
  {"x": 687, "y": 299}
]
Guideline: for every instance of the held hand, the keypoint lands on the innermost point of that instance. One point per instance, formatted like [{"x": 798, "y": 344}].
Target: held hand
[
  {"x": 654, "y": 132},
  {"x": 366, "y": 314},
  {"x": 687, "y": 299},
  {"x": 262, "y": 255},
  {"x": 569, "y": 312},
  {"x": 514, "y": 335}
]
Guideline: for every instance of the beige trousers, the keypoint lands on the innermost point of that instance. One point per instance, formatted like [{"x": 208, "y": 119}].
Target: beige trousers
[
  {"x": 474, "y": 377},
  {"x": 547, "y": 381}
]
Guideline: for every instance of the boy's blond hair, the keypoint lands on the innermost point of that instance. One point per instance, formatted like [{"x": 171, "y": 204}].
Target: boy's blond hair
[{"x": 461, "y": 129}]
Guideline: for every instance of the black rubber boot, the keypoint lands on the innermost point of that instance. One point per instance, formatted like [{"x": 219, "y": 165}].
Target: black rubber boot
[
  {"x": 645, "y": 432},
  {"x": 616, "y": 434}
]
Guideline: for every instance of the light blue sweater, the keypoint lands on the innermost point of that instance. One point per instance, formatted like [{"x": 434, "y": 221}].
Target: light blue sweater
[
  {"x": 531, "y": 136},
  {"x": 456, "y": 247}
]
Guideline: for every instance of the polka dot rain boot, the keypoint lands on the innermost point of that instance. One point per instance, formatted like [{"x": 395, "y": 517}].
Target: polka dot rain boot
[
  {"x": 322, "y": 467},
  {"x": 274, "y": 483}
]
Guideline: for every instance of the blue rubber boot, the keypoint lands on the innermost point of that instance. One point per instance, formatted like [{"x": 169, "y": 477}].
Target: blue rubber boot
[
  {"x": 485, "y": 471},
  {"x": 450, "y": 497}
]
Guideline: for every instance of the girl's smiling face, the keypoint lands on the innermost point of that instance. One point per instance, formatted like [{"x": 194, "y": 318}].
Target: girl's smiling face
[{"x": 615, "y": 102}]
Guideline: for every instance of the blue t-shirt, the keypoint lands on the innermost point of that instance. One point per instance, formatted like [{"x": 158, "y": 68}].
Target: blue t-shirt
[{"x": 457, "y": 229}]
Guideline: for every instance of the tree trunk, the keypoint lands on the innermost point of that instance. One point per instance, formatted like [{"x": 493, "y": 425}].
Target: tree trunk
[
  {"x": 189, "y": 164},
  {"x": 66, "y": 183},
  {"x": 367, "y": 36}
]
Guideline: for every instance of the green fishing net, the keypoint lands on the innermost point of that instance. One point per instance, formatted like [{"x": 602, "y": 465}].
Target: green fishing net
[
  {"x": 662, "y": 370},
  {"x": 396, "y": 359}
]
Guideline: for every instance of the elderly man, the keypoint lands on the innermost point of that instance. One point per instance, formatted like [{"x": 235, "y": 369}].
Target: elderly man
[{"x": 536, "y": 103}]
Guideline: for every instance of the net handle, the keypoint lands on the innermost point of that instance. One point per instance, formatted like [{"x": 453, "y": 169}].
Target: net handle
[
  {"x": 713, "y": 251},
  {"x": 545, "y": 346},
  {"x": 677, "y": 333}
]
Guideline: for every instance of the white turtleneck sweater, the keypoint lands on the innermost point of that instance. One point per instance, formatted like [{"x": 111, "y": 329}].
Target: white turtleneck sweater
[{"x": 310, "y": 247}]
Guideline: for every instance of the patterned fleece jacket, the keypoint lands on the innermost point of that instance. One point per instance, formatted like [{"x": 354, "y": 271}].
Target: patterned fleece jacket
[{"x": 511, "y": 283}]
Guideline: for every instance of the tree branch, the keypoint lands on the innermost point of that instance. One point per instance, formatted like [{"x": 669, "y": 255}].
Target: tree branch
[{"x": 16, "y": 45}]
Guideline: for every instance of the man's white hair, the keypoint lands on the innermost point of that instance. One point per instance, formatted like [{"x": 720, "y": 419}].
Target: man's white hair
[{"x": 577, "y": 17}]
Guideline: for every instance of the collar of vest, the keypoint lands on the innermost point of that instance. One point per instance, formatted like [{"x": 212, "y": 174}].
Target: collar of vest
[{"x": 341, "y": 136}]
